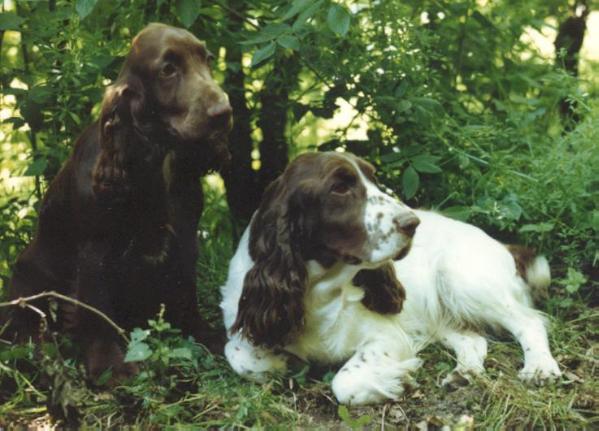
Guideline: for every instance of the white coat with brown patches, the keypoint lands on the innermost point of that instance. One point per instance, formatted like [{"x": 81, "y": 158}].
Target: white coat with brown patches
[{"x": 334, "y": 303}]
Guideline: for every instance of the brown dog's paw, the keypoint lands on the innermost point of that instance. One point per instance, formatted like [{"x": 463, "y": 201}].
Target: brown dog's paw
[{"x": 105, "y": 364}]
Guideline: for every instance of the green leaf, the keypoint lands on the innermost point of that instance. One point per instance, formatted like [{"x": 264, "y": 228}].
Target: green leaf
[
  {"x": 410, "y": 182},
  {"x": 268, "y": 33},
  {"x": 306, "y": 15},
  {"x": 138, "y": 352},
  {"x": 263, "y": 54},
  {"x": 85, "y": 7},
  {"x": 10, "y": 21},
  {"x": 139, "y": 334},
  {"x": 289, "y": 42},
  {"x": 483, "y": 20},
  {"x": 362, "y": 421},
  {"x": 37, "y": 167},
  {"x": 537, "y": 227},
  {"x": 297, "y": 7},
  {"x": 188, "y": 11},
  {"x": 458, "y": 212},
  {"x": 338, "y": 19},
  {"x": 392, "y": 157},
  {"x": 428, "y": 104},
  {"x": 403, "y": 105},
  {"x": 343, "y": 413},
  {"x": 595, "y": 220},
  {"x": 181, "y": 353},
  {"x": 510, "y": 208},
  {"x": 574, "y": 280},
  {"x": 104, "y": 377},
  {"x": 32, "y": 113},
  {"x": 426, "y": 164},
  {"x": 401, "y": 89}
]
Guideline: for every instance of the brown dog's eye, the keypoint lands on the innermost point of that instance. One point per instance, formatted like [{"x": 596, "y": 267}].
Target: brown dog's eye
[{"x": 168, "y": 70}]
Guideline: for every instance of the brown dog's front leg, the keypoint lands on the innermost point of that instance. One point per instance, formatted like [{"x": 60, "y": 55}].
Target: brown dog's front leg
[{"x": 96, "y": 285}]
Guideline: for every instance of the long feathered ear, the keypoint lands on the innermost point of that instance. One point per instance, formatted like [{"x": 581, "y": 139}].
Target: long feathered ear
[
  {"x": 271, "y": 307},
  {"x": 384, "y": 293},
  {"x": 124, "y": 139}
]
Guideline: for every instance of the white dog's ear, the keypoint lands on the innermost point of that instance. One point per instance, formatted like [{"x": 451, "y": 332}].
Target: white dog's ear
[
  {"x": 271, "y": 307},
  {"x": 383, "y": 293}
]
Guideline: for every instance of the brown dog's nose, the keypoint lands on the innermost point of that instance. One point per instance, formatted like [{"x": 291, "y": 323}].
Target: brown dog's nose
[
  {"x": 220, "y": 114},
  {"x": 408, "y": 224}
]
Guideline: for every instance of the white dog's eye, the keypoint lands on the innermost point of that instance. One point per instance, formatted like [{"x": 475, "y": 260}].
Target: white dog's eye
[
  {"x": 343, "y": 185},
  {"x": 340, "y": 188}
]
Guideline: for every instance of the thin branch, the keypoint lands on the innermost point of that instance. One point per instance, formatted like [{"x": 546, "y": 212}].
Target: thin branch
[{"x": 24, "y": 302}]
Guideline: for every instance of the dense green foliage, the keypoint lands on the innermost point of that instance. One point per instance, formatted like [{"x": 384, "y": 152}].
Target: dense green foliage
[{"x": 449, "y": 99}]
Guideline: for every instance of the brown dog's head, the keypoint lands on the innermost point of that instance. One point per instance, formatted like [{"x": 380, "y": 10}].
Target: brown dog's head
[
  {"x": 325, "y": 207},
  {"x": 164, "y": 97}
]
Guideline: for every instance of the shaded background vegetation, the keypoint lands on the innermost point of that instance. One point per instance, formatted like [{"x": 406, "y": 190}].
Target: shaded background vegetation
[{"x": 451, "y": 100}]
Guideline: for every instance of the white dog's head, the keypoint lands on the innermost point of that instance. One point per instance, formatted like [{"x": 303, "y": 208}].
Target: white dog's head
[{"x": 325, "y": 207}]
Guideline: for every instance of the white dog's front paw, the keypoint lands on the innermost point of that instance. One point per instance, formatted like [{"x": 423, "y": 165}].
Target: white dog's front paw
[
  {"x": 352, "y": 390},
  {"x": 252, "y": 362},
  {"x": 540, "y": 371}
]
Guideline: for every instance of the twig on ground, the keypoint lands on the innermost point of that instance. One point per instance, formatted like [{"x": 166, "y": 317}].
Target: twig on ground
[{"x": 25, "y": 302}]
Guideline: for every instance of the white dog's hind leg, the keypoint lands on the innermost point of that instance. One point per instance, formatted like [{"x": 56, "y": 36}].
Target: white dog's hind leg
[
  {"x": 528, "y": 326},
  {"x": 253, "y": 362},
  {"x": 470, "y": 349}
]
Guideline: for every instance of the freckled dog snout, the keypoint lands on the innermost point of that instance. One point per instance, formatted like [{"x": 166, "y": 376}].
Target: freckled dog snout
[
  {"x": 407, "y": 224},
  {"x": 220, "y": 114}
]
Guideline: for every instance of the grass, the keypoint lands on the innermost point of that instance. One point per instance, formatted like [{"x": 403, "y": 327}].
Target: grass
[{"x": 198, "y": 389}]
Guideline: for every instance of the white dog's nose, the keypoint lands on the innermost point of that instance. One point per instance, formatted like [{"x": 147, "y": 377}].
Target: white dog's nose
[{"x": 407, "y": 223}]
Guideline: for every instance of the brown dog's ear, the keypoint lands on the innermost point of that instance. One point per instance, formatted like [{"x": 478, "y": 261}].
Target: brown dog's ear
[
  {"x": 125, "y": 133},
  {"x": 271, "y": 307},
  {"x": 384, "y": 293}
]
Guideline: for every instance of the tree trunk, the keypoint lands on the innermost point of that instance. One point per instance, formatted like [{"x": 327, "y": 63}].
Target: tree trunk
[
  {"x": 245, "y": 185},
  {"x": 274, "y": 98},
  {"x": 243, "y": 195},
  {"x": 567, "y": 49}
]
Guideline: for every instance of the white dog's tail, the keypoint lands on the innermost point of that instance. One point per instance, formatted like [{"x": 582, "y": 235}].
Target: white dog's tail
[
  {"x": 538, "y": 274},
  {"x": 533, "y": 268}
]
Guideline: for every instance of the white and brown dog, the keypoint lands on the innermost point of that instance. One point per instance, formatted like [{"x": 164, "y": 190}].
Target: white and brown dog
[{"x": 316, "y": 275}]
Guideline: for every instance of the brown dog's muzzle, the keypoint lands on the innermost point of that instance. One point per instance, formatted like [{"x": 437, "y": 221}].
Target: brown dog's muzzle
[{"x": 220, "y": 116}]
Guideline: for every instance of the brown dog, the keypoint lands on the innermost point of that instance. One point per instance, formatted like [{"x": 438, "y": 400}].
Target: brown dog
[{"x": 117, "y": 228}]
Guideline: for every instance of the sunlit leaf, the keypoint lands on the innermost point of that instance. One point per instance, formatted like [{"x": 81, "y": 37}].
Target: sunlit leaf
[
  {"x": 263, "y": 54},
  {"x": 538, "y": 227},
  {"x": 139, "y": 351},
  {"x": 297, "y": 7},
  {"x": 574, "y": 280},
  {"x": 306, "y": 15}
]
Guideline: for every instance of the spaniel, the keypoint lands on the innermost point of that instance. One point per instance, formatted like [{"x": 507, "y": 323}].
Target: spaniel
[
  {"x": 320, "y": 274},
  {"x": 117, "y": 227}
]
